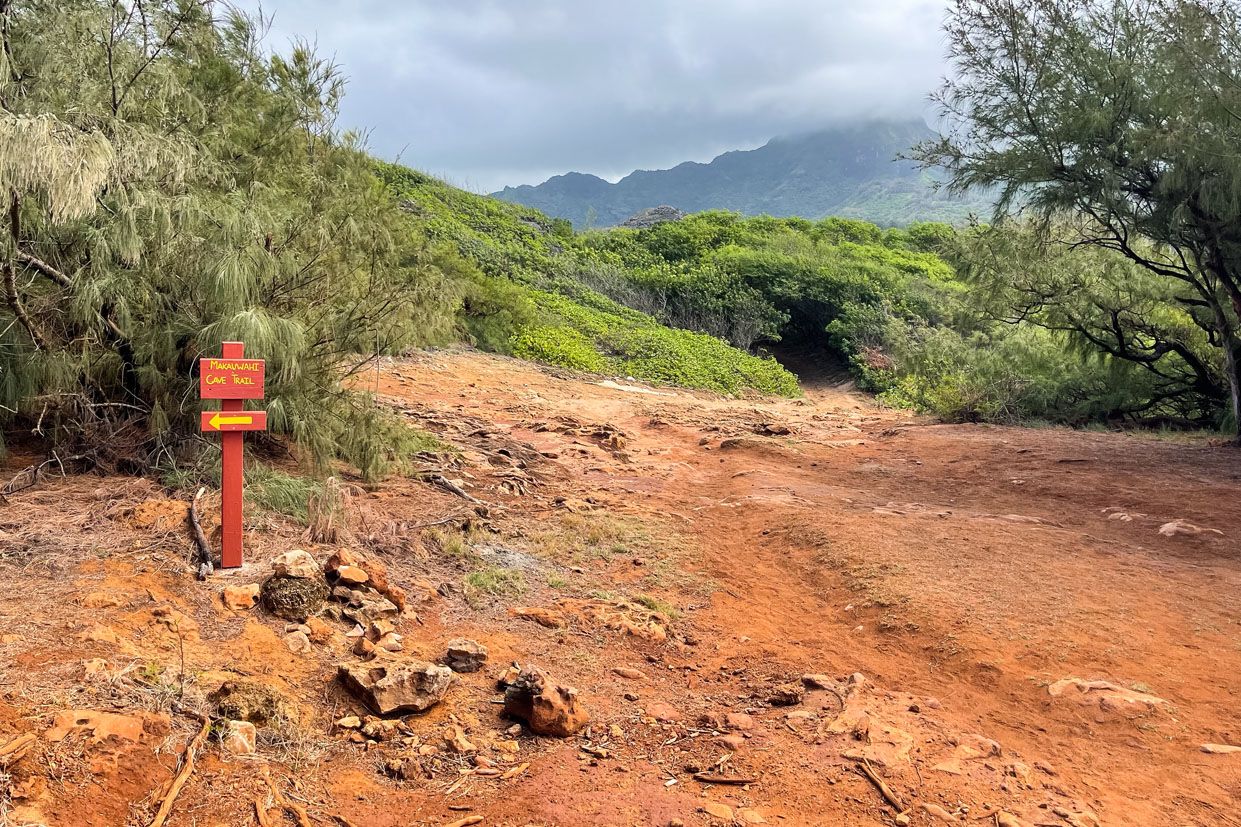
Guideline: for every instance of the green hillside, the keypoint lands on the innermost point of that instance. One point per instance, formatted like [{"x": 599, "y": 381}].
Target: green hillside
[{"x": 525, "y": 295}]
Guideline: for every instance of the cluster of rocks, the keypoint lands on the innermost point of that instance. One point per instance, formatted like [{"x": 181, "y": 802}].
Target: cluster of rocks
[
  {"x": 355, "y": 592},
  {"x": 652, "y": 216}
]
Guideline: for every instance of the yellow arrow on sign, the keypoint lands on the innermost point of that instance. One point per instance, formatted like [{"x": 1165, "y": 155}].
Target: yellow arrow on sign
[{"x": 217, "y": 420}]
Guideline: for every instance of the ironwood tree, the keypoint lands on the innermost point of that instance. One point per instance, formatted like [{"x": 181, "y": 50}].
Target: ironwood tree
[
  {"x": 168, "y": 184},
  {"x": 1120, "y": 121}
]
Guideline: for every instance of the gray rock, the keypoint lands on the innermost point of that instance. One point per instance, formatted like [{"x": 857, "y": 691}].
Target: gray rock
[
  {"x": 466, "y": 655},
  {"x": 367, "y": 607},
  {"x": 655, "y": 215},
  {"x": 392, "y": 687},
  {"x": 296, "y": 563}
]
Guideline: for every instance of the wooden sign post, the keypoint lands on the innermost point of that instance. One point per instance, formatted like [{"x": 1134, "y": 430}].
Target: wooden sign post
[{"x": 231, "y": 379}]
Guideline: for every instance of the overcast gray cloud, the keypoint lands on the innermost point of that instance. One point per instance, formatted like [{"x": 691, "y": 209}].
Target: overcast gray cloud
[{"x": 487, "y": 92}]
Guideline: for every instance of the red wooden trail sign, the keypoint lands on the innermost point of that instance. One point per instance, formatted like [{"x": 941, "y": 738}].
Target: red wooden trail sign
[
  {"x": 223, "y": 421},
  {"x": 231, "y": 379}
]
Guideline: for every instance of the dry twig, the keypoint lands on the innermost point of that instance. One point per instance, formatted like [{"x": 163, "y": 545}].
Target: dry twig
[
  {"x": 887, "y": 792},
  {"x": 187, "y": 767}
]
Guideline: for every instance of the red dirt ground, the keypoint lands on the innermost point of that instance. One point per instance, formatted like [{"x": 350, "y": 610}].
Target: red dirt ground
[{"x": 963, "y": 571}]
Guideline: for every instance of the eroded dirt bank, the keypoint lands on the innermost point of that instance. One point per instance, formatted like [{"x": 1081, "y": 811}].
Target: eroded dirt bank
[{"x": 1004, "y": 623}]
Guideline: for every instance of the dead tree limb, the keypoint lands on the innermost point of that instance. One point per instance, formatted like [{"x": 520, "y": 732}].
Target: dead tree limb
[
  {"x": 889, "y": 795},
  {"x": 202, "y": 558},
  {"x": 187, "y": 767}
]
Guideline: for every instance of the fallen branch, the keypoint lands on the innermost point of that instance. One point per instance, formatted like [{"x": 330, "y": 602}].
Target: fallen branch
[
  {"x": 261, "y": 815},
  {"x": 203, "y": 558},
  {"x": 450, "y": 518},
  {"x": 298, "y": 811},
  {"x": 187, "y": 767},
  {"x": 452, "y": 488},
  {"x": 466, "y": 822},
  {"x": 716, "y": 778},
  {"x": 887, "y": 792},
  {"x": 13, "y": 751}
]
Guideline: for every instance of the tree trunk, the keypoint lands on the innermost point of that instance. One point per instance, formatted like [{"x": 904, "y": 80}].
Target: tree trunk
[{"x": 1232, "y": 369}]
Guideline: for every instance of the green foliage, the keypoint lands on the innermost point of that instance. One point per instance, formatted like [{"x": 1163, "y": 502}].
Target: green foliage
[
  {"x": 196, "y": 192},
  {"x": 629, "y": 343},
  {"x": 273, "y": 490},
  {"x": 535, "y": 294},
  {"x": 559, "y": 345},
  {"x": 496, "y": 582},
  {"x": 1147, "y": 168}
]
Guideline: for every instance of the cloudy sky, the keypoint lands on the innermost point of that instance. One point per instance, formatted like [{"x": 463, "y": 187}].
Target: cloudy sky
[{"x": 493, "y": 92}]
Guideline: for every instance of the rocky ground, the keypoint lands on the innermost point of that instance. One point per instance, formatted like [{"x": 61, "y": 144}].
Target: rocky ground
[{"x": 620, "y": 605}]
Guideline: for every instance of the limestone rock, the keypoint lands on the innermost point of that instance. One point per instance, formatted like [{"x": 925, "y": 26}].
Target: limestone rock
[
  {"x": 298, "y": 642},
  {"x": 391, "y": 687},
  {"x": 296, "y": 563},
  {"x": 547, "y": 707},
  {"x": 240, "y": 598},
  {"x": 342, "y": 567},
  {"x": 367, "y": 607},
  {"x": 466, "y": 655},
  {"x": 293, "y": 598},
  {"x": 239, "y": 738},
  {"x": 352, "y": 575},
  {"x": 319, "y": 631}
]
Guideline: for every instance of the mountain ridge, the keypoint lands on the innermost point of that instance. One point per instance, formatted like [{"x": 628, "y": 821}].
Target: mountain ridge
[{"x": 851, "y": 171}]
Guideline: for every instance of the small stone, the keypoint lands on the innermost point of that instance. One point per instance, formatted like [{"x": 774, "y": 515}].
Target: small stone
[
  {"x": 732, "y": 741},
  {"x": 818, "y": 681},
  {"x": 661, "y": 711},
  {"x": 938, "y": 812},
  {"x": 317, "y": 630},
  {"x": 296, "y": 563},
  {"x": 466, "y": 655},
  {"x": 389, "y": 686},
  {"x": 748, "y": 816},
  {"x": 1220, "y": 749},
  {"x": 298, "y": 642},
  {"x": 788, "y": 694},
  {"x": 390, "y": 642},
  {"x": 739, "y": 721},
  {"x": 377, "y": 729},
  {"x": 629, "y": 673},
  {"x": 547, "y": 708},
  {"x": 239, "y": 738},
  {"x": 459, "y": 744},
  {"x": 240, "y": 598},
  {"x": 716, "y": 810},
  {"x": 379, "y": 628},
  {"x": 901, "y": 820},
  {"x": 615, "y": 732},
  {"x": 352, "y": 575},
  {"x": 349, "y": 722}
]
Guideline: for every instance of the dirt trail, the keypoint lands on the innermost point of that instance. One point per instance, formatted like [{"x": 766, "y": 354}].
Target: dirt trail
[{"x": 1022, "y": 637}]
